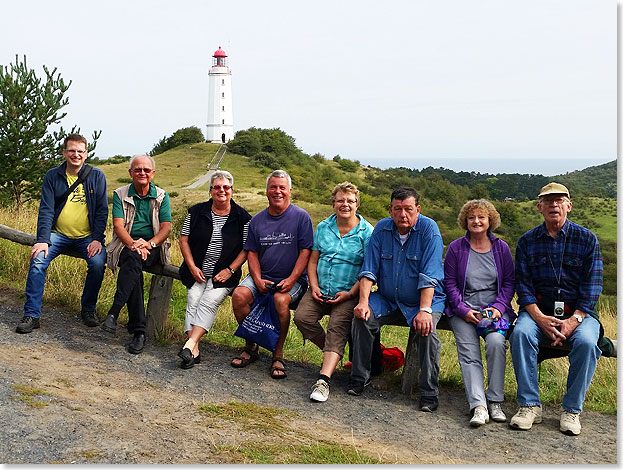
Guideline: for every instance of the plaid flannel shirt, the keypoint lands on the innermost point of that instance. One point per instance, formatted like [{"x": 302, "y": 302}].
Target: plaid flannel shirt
[{"x": 571, "y": 262}]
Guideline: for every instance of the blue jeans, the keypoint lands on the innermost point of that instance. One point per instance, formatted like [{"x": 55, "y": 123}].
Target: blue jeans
[
  {"x": 583, "y": 357},
  {"x": 39, "y": 265}
]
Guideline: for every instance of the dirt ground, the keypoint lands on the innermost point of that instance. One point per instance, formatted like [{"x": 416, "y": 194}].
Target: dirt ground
[{"x": 103, "y": 405}]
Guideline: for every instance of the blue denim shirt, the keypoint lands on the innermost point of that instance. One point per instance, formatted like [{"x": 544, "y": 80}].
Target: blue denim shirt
[{"x": 402, "y": 270}]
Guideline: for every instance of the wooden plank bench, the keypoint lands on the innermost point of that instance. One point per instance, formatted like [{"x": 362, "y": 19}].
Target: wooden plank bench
[
  {"x": 411, "y": 366},
  {"x": 159, "y": 290}
]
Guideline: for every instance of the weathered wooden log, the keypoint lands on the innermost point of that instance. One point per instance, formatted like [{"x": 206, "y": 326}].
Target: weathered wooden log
[
  {"x": 158, "y": 304},
  {"x": 17, "y": 236}
]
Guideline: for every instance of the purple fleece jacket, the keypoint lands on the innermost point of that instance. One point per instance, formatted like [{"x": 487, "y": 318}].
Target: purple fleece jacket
[{"x": 455, "y": 267}]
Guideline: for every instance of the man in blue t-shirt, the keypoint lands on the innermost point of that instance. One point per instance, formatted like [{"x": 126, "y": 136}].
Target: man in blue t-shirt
[{"x": 279, "y": 245}]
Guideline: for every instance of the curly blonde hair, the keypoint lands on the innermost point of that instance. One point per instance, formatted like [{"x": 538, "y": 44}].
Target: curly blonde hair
[
  {"x": 483, "y": 205},
  {"x": 345, "y": 187}
]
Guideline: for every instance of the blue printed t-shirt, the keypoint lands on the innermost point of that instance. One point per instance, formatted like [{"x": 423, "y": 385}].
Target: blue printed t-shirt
[
  {"x": 340, "y": 257},
  {"x": 141, "y": 226},
  {"x": 278, "y": 239},
  {"x": 401, "y": 270}
]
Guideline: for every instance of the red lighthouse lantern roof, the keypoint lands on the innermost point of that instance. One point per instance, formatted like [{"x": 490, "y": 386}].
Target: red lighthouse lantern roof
[{"x": 220, "y": 53}]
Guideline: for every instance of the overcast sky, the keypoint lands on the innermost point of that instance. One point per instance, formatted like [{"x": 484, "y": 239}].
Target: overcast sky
[{"x": 455, "y": 83}]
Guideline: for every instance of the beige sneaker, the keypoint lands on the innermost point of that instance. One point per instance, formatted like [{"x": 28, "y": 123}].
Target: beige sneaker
[
  {"x": 526, "y": 417},
  {"x": 570, "y": 423}
]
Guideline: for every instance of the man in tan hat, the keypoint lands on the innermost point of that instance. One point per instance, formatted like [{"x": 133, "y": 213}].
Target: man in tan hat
[{"x": 558, "y": 278}]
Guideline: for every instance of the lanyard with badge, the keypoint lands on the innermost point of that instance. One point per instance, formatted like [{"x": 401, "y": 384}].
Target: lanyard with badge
[{"x": 559, "y": 305}]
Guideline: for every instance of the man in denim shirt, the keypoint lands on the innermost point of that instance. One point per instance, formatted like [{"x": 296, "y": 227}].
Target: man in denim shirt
[{"x": 404, "y": 257}]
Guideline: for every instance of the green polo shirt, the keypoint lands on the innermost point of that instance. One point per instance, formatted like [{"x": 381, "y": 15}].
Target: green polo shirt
[{"x": 142, "y": 227}]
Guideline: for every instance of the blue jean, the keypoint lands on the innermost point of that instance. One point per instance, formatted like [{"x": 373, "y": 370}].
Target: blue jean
[
  {"x": 583, "y": 357},
  {"x": 35, "y": 282}
]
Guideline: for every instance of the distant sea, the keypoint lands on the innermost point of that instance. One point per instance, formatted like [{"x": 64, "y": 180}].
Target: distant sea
[{"x": 545, "y": 166}]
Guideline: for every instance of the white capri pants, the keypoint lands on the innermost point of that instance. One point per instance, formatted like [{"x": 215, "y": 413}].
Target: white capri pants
[{"x": 202, "y": 303}]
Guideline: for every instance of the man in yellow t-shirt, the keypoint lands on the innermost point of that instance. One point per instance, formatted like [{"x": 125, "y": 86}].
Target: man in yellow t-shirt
[{"x": 74, "y": 221}]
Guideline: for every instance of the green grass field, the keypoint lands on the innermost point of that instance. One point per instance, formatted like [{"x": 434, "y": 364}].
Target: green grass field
[{"x": 178, "y": 168}]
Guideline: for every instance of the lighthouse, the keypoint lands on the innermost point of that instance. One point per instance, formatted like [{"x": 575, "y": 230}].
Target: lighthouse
[{"x": 220, "y": 116}]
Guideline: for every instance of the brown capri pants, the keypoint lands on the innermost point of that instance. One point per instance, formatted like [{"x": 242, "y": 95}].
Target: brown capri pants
[{"x": 307, "y": 319}]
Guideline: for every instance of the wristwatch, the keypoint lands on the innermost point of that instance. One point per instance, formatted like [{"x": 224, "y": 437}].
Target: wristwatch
[
  {"x": 153, "y": 245},
  {"x": 578, "y": 317},
  {"x": 426, "y": 309},
  {"x": 230, "y": 270}
]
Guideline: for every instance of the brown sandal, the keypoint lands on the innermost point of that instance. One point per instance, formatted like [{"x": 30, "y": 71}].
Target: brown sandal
[
  {"x": 254, "y": 354},
  {"x": 274, "y": 368}
]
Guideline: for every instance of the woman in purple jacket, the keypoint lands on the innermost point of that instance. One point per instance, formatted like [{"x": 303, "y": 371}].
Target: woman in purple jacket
[{"x": 479, "y": 278}]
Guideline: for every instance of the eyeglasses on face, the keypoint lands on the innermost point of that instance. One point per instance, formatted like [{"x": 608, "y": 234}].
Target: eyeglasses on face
[
  {"x": 218, "y": 187},
  {"x": 557, "y": 200},
  {"x": 75, "y": 152},
  {"x": 142, "y": 170}
]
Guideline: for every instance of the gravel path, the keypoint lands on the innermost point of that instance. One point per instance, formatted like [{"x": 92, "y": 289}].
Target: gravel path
[{"x": 107, "y": 406}]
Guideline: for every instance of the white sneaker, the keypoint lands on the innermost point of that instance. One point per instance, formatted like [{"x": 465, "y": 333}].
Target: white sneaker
[
  {"x": 496, "y": 412},
  {"x": 526, "y": 417},
  {"x": 320, "y": 391},
  {"x": 481, "y": 416},
  {"x": 570, "y": 423}
]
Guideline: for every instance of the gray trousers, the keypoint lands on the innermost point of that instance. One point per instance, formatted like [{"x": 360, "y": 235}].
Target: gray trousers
[
  {"x": 429, "y": 349},
  {"x": 470, "y": 360}
]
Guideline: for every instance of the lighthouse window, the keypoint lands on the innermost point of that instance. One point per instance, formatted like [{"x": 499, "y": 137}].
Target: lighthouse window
[
  {"x": 223, "y": 121},
  {"x": 222, "y": 81},
  {"x": 223, "y": 108},
  {"x": 223, "y": 95}
]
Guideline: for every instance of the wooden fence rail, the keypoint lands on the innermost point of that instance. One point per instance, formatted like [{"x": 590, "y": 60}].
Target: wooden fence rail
[{"x": 159, "y": 291}]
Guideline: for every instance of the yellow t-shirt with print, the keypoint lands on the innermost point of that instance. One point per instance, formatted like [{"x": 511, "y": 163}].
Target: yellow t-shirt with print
[{"x": 73, "y": 221}]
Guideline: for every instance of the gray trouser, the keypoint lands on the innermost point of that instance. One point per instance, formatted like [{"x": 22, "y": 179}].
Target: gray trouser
[
  {"x": 470, "y": 360},
  {"x": 429, "y": 350}
]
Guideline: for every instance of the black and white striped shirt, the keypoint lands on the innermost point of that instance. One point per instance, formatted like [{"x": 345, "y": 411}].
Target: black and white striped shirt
[{"x": 215, "y": 247}]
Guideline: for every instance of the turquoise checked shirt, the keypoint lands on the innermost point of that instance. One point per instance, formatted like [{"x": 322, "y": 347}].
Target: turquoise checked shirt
[{"x": 340, "y": 257}]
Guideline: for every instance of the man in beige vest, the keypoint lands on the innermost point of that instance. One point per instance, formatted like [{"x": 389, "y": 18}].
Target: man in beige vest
[{"x": 141, "y": 221}]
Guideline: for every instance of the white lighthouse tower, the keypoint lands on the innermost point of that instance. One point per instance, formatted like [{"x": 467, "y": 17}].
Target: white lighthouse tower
[{"x": 220, "y": 115}]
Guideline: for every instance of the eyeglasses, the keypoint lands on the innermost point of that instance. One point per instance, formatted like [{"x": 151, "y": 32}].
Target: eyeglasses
[
  {"x": 218, "y": 187},
  {"x": 551, "y": 201},
  {"x": 75, "y": 152},
  {"x": 350, "y": 202},
  {"x": 143, "y": 170}
]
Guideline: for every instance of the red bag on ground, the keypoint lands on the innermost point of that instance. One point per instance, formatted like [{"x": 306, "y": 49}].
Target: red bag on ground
[{"x": 393, "y": 359}]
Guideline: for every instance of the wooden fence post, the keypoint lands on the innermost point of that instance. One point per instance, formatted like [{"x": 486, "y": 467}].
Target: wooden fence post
[
  {"x": 411, "y": 368},
  {"x": 158, "y": 304}
]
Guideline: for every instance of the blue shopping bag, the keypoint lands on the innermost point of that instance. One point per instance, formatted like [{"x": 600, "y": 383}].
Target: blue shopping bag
[{"x": 262, "y": 323}]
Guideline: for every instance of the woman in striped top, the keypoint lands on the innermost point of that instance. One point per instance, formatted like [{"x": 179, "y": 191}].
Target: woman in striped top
[{"x": 211, "y": 242}]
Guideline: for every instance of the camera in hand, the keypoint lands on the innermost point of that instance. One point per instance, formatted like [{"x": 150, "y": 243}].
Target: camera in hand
[
  {"x": 559, "y": 309},
  {"x": 326, "y": 297}
]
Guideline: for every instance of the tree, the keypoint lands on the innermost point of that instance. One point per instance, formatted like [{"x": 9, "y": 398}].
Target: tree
[
  {"x": 28, "y": 107},
  {"x": 186, "y": 135}
]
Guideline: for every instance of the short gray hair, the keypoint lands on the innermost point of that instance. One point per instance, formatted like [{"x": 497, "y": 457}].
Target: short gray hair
[
  {"x": 153, "y": 162},
  {"x": 279, "y": 174},
  {"x": 222, "y": 174}
]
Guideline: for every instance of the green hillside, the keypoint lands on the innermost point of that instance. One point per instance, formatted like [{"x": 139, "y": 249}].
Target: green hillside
[{"x": 313, "y": 178}]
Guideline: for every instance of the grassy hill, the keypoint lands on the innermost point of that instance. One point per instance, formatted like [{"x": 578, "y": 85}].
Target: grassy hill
[{"x": 313, "y": 178}]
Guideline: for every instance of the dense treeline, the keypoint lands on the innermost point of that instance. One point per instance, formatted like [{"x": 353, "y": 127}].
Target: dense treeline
[
  {"x": 442, "y": 191},
  {"x": 598, "y": 181},
  {"x": 186, "y": 135}
]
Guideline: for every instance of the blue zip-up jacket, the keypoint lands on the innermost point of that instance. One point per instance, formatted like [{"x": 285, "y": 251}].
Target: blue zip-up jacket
[
  {"x": 55, "y": 184},
  {"x": 402, "y": 270}
]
